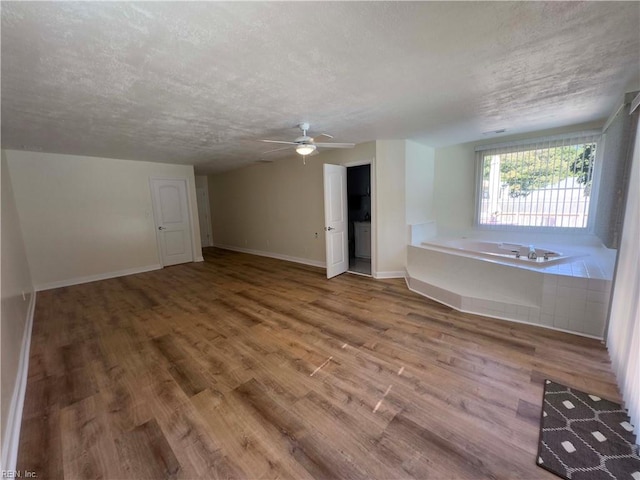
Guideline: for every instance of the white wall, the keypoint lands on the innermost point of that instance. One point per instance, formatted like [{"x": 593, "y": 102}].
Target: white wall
[
  {"x": 391, "y": 235},
  {"x": 15, "y": 280},
  {"x": 616, "y": 163},
  {"x": 419, "y": 182},
  {"x": 454, "y": 188},
  {"x": 276, "y": 208},
  {"x": 86, "y": 218}
]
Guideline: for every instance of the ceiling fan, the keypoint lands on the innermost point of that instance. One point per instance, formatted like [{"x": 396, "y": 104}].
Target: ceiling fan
[{"x": 306, "y": 145}]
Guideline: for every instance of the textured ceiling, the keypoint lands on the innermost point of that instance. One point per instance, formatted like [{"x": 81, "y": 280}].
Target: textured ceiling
[{"x": 198, "y": 83}]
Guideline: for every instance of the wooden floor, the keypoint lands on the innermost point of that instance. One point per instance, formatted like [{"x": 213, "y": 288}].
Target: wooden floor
[{"x": 247, "y": 367}]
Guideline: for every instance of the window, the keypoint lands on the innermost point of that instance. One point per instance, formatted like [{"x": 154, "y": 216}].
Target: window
[{"x": 546, "y": 184}]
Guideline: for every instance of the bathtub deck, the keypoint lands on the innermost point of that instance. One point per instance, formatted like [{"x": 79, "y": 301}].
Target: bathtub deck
[{"x": 249, "y": 367}]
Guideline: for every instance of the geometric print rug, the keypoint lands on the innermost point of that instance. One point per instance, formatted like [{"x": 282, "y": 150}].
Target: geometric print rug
[{"x": 585, "y": 437}]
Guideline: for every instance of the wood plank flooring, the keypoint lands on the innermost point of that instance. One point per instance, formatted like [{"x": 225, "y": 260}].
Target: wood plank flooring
[{"x": 248, "y": 367}]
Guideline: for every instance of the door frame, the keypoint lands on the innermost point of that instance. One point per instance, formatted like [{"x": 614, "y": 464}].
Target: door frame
[
  {"x": 374, "y": 211},
  {"x": 194, "y": 256}
]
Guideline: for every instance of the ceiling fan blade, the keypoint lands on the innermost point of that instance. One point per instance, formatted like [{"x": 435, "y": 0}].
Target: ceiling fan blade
[
  {"x": 276, "y": 150},
  {"x": 279, "y": 141},
  {"x": 335, "y": 145},
  {"x": 325, "y": 135}
]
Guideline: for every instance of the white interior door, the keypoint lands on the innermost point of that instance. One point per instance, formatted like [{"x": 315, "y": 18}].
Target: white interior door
[
  {"x": 173, "y": 225},
  {"x": 335, "y": 218}
]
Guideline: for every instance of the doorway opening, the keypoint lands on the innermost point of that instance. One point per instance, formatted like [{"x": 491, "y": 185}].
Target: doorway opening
[
  {"x": 359, "y": 218},
  {"x": 204, "y": 215}
]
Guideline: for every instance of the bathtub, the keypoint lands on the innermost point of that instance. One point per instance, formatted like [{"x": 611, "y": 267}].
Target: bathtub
[
  {"x": 567, "y": 292},
  {"x": 515, "y": 254}
]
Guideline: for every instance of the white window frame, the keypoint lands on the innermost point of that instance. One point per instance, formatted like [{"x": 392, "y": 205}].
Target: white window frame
[{"x": 532, "y": 142}]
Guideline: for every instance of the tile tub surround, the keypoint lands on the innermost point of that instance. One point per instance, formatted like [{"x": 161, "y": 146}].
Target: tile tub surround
[{"x": 571, "y": 297}]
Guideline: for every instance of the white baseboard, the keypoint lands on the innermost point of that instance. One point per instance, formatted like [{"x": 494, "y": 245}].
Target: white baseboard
[
  {"x": 95, "y": 278},
  {"x": 261, "y": 253},
  {"x": 11, "y": 435},
  {"x": 390, "y": 274}
]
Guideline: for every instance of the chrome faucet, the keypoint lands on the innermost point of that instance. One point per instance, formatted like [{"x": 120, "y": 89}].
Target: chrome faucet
[
  {"x": 532, "y": 253},
  {"x": 517, "y": 252}
]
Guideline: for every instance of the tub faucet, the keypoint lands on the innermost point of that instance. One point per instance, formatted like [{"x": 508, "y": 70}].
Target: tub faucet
[
  {"x": 532, "y": 253},
  {"x": 517, "y": 252}
]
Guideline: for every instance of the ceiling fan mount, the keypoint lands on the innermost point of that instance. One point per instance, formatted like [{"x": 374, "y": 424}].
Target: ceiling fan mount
[
  {"x": 306, "y": 145},
  {"x": 304, "y": 126}
]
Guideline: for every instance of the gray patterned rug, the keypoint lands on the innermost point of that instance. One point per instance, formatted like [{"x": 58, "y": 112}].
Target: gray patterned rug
[{"x": 585, "y": 437}]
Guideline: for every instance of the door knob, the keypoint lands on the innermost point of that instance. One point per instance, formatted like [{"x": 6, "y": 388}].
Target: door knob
[
  {"x": 330, "y": 228},
  {"x": 161, "y": 228}
]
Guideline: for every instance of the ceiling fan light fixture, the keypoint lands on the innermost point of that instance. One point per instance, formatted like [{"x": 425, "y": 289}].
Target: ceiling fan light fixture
[{"x": 305, "y": 149}]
